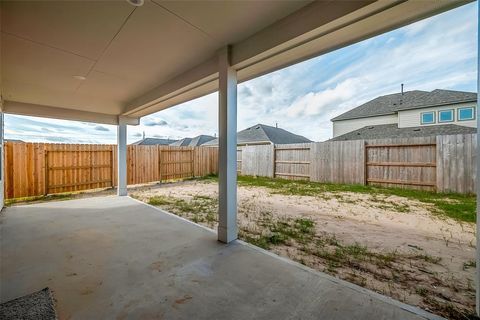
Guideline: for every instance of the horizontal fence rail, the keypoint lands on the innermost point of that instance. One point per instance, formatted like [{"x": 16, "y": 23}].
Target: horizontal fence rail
[
  {"x": 34, "y": 169},
  {"x": 442, "y": 164}
]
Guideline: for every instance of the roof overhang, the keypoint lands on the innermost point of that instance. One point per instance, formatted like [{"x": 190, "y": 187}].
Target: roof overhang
[
  {"x": 28, "y": 109},
  {"x": 137, "y": 61}
]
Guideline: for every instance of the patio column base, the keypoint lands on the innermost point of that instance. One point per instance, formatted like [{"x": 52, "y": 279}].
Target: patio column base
[{"x": 225, "y": 235}]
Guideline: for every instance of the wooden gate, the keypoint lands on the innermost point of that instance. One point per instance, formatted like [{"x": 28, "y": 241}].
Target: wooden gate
[
  {"x": 397, "y": 165},
  {"x": 292, "y": 161},
  {"x": 176, "y": 163},
  {"x": 72, "y": 169}
]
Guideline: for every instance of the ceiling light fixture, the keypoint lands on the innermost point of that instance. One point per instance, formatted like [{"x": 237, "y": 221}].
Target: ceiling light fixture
[
  {"x": 80, "y": 78},
  {"x": 136, "y": 3}
]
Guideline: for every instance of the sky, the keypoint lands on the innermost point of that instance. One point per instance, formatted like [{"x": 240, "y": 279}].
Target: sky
[{"x": 436, "y": 53}]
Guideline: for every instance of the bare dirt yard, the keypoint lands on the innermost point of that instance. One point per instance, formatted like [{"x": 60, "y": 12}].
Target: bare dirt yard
[{"x": 417, "y": 247}]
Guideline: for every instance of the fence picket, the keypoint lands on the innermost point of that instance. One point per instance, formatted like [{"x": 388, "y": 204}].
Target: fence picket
[{"x": 444, "y": 163}]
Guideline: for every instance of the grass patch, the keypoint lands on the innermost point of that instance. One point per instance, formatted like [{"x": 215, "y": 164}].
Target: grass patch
[
  {"x": 198, "y": 209},
  {"x": 160, "y": 201},
  {"x": 469, "y": 264},
  {"x": 428, "y": 258},
  {"x": 456, "y": 206},
  {"x": 280, "y": 231}
]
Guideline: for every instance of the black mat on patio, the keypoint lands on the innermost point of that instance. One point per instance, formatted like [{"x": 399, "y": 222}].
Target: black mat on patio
[{"x": 38, "y": 305}]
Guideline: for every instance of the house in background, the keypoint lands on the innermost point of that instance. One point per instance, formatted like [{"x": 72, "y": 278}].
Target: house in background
[
  {"x": 193, "y": 142},
  {"x": 154, "y": 141},
  {"x": 263, "y": 134},
  {"x": 14, "y": 140},
  {"x": 409, "y": 114}
]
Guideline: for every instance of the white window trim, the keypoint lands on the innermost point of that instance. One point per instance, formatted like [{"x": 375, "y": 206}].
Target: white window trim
[
  {"x": 469, "y": 119},
  {"x": 421, "y": 117},
  {"x": 446, "y": 121}
]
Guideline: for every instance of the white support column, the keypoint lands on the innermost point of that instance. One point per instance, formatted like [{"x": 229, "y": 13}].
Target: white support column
[
  {"x": 122, "y": 157},
  {"x": 477, "y": 273},
  {"x": 227, "y": 153}
]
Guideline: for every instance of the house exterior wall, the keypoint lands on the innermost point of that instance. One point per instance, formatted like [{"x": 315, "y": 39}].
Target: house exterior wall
[
  {"x": 411, "y": 118},
  {"x": 344, "y": 126}
]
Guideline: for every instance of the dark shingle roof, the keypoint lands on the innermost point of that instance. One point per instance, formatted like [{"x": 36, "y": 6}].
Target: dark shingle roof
[
  {"x": 193, "y": 142},
  {"x": 392, "y": 103},
  {"x": 264, "y": 133},
  {"x": 201, "y": 139},
  {"x": 386, "y": 131},
  {"x": 154, "y": 141},
  {"x": 182, "y": 142}
]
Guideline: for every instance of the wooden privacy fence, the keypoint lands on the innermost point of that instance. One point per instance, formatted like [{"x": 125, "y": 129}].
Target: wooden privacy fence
[
  {"x": 33, "y": 169},
  {"x": 442, "y": 163}
]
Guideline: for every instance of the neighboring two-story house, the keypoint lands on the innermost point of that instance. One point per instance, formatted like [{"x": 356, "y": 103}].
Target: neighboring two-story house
[{"x": 409, "y": 114}]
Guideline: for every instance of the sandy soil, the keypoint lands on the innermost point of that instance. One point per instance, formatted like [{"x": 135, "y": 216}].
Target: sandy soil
[{"x": 376, "y": 223}]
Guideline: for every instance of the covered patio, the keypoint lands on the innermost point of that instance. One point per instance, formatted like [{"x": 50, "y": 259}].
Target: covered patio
[
  {"x": 118, "y": 258},
  {"x": 113, "y": 62}
]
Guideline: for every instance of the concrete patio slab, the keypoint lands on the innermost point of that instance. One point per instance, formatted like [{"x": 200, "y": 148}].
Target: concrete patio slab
[{"x": 117, "y": 258}]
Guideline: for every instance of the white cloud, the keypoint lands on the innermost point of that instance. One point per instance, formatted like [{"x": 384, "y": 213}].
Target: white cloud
[
  {"x": 316, "y": 103},
  {"x": 152, "y": 122}
]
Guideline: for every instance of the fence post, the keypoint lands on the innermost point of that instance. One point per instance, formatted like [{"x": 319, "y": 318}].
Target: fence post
[
  {"x": 365, "y": 165},
  {"x": 46, "y": 171},
  {"x": 274, "y": 157},
  {"x": 160, "y": 164},
  {"x": 112, "y": 172}
]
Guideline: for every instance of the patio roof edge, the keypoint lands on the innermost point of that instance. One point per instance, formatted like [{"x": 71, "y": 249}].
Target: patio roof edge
[{"x": 35, "y": 110}]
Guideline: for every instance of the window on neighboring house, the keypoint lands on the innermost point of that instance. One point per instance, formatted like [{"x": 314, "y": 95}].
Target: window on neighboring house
[
  {"x": 467, "y": 113},
  {"x": 445, "y": 115},
  {"x": 428, "y": 117}
]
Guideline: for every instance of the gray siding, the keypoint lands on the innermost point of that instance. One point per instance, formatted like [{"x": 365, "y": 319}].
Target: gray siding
[{"x": 344, "y": 126}]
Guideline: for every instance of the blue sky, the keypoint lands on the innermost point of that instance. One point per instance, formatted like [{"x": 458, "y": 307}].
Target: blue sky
[{"x": 439, "y": 52}]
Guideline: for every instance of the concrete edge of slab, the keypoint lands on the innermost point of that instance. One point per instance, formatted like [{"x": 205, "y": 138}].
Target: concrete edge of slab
[{"x": 409, "y": 308}]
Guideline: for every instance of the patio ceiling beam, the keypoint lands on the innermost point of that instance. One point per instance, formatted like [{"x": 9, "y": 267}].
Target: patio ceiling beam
[
  {"x": 36, "y": 110},
  {"x": 318, "y": 28},
  {"x": 227, "y": 152}
]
